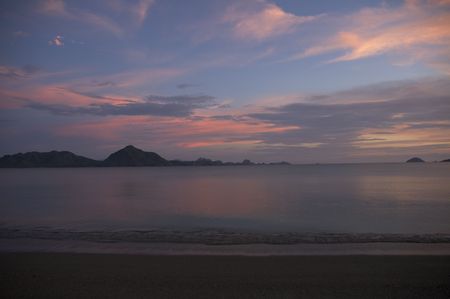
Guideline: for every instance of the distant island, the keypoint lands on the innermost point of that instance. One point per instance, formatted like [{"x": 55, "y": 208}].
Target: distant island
[
  {"x": 128, "y": 156},
  {"x": 419, "y": 160},
  {"x": 415, "y": 160}
]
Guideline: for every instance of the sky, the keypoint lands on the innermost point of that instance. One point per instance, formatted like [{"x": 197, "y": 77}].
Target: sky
[{"x": 299, "y": 81}]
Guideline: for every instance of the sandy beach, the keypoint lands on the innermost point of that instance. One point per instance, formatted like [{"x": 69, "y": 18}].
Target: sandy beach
[{"x": 66, "y": 275}]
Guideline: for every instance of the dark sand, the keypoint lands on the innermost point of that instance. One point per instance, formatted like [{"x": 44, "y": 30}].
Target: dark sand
[{"x": 63, "y": 275}]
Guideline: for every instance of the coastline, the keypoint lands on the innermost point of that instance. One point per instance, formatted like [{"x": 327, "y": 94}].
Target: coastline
[
  {"x": 216, "y": 236},
  {"x": 68, "y": 275},
  {"x": 29, "y": 245}
]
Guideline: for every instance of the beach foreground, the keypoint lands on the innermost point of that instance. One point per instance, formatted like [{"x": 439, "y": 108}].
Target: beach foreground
[{"x": 65, "y": 275}]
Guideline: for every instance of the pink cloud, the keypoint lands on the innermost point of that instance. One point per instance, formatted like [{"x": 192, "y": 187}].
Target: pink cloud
[
  {"x": 419, "y": 29},
  {"x": 24, "y": 86},
  {"x": 406, "y": 135},
  {"x": 53, "y": 7},
  {"x": 218, "y": 143},
  {"x": 104, "y": 129},
  {"x": 140, "y": 10},
  {"x": 55, "y": 94},
  {"x": 10, "y": 99},
  {"x": 262, "y": 20},
  {"x": 224, "y": 128},
  {"x": 181, "y": 132},
  {"x": 432, "y": 31},
  {"x": 57, "y": 41},
  {"x": 58, "y": 95}
]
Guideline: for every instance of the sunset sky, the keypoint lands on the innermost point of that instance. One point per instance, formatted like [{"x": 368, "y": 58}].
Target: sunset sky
[{"x": 301, "y": 81}]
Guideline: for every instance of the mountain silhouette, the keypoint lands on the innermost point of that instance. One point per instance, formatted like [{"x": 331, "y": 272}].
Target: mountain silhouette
[
  {"x": 415, "y": 160},
  {"x": 132, "y": 156},
  {"x": 128, "y": 156},
  {"x": 47, "y": 159}
]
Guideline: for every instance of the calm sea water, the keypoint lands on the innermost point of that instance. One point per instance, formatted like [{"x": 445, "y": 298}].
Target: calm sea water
[{"x": 353, "y": 198}]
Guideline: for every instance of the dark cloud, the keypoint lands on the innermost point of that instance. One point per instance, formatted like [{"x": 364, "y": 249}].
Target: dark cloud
[
  {"x": 194, "y": 100},
  {"x": 96, "y": 96},
  {"x": 381, "y": 92},
  {"x": 230, "y": 117},
  {"x": 224, "y": 106},
  {"x": 104, "y": 84},
  {"x": 186, "y": 85},
  {"x": 331, "y": 127},
  {"x": 152, "y": 105},
  {"x": 15, "y": 73},
  {"x": 337, "y": 119}
]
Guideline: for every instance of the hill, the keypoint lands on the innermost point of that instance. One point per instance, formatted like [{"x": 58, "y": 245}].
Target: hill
[
  {"x": 132, "y": 156},
  {"x": 46, "y": 159},
  {"x": 415, "y": 160},
  {"x": 128, "y": 156}
]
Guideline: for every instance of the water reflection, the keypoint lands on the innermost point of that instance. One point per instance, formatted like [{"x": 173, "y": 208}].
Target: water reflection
[{"x": 343, "y": 198}]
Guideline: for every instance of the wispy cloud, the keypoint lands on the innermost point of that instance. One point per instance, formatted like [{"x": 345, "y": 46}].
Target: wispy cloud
[
  {"x": 405, "y": 135},
  {"x": 395, "y": 115},
  {"x": 260, "y": 20},
  {"x": 15, "y": 73},
  {"x": 58, "y": 8},
  {"x": 179, "y": 106},
  {"x": 54, "y": 88},
  {"x": 176, "y": 132},
  {"x": 21, "y": 34},
  {"x": 141, "y": 77},
  {"x": 138, "y": 10},
  {"x": 419, "y": 29},
  {"x": 220, "y": 143},
  {"x": 398, "y": 118}
]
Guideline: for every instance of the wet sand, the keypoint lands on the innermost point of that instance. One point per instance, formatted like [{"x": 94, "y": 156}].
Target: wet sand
[{"x": 66, "y": 275}]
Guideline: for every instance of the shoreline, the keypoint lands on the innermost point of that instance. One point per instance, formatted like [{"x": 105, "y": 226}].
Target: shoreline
[
  {"x": 68, "y": 275},
  {"x": 217, "y": 236},
  {"x": 25, "y": 245}
]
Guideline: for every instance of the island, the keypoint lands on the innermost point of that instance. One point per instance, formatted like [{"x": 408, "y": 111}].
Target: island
[
  {"x": 415, "y": 160},
  {"x": 129, "y": 156}
]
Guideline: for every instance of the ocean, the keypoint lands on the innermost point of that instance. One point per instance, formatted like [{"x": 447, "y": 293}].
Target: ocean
[{"x": 228, "y": 205}]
